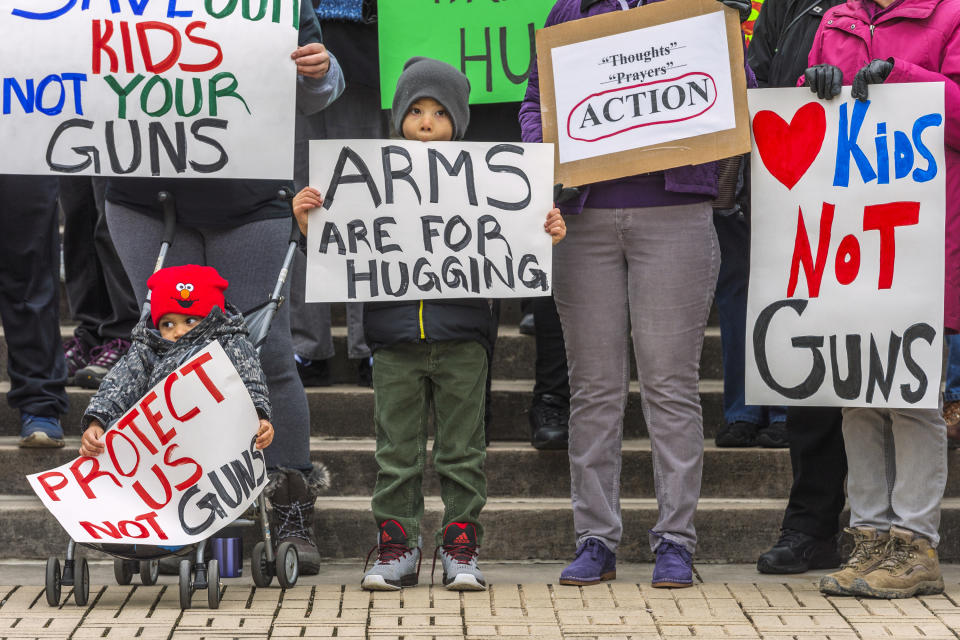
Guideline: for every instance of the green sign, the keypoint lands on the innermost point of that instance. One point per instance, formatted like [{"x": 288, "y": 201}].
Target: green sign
[{"x": 492, "y": 41}]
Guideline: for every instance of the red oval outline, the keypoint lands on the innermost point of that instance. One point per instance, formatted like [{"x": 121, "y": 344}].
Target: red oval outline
[{"x": 647, "y": 124}]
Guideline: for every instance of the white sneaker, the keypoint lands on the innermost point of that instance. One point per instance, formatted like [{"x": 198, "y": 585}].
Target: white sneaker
[{"x": 458, "y": 556}]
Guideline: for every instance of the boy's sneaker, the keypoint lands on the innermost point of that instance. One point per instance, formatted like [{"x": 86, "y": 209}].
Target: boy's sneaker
[
  {"x": 397, "y": 565},
  {"x": 910, "y": 568},
  {"x": 40, "y": 432},
  {"x": 674, "y": 566},
  {"x": 102, "y": 359},
  {"x": 869, "y": 546},
  {"x": 592, "y": 564},
  {"x": 76, "y": 353},
  {"x": 798, "y": 552},
  {"x": 458, "y": 556}
]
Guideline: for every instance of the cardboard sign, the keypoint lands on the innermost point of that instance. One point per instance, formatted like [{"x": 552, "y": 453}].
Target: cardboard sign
[
  {"x": 171, "y": 88},
  {"x": 408, "y": 220},
  {"x": 178, "y": 467},
  {"x": 493, "y": 43},
  {"x": 845, "y": 306},
  {"x": 647, "y": 89}
]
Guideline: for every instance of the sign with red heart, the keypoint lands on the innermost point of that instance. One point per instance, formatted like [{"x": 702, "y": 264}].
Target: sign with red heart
[
  {"x": 845, "y": 304},
  {"x": 788, "y": 150}
]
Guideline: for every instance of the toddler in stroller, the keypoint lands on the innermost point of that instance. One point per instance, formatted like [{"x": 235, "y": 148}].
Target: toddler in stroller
[{"x": 185, "y": 311}]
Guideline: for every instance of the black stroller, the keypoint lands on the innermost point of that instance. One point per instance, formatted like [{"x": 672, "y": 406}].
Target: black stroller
[{"x": 197, "y": 572}]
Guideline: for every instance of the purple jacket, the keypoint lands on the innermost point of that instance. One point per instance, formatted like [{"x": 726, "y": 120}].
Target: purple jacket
[
  {"x": 701, "y": 178},
  {"x": 923, "y": 39}
]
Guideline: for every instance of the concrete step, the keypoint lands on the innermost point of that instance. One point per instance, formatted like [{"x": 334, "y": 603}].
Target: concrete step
[
  {"x": 345, "y": 411},
  {"x": 729, "y": 530},
  {"x": 513, "y": 357},
  {"x": 514, "y": 470}
]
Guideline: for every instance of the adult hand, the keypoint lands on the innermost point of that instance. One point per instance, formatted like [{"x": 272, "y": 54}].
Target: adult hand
[
  {"x": 264, "y": 434},
  {"x": 308, "y": 198},
  {"x": 312, "y": 60},
  {"x": 90, "y": 444},
  {"x": 743, "y": 7},
  {"x": 563, "y": 194},
  {"x": 824, "y": 80},
  {"x": 874, "y": 72},
  {"x": 555, "y": 226}
]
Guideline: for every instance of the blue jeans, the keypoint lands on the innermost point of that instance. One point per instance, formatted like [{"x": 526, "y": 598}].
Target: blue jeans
[
  {"x": 951, "y": 389},
  {"x": 733, "y": 232}
]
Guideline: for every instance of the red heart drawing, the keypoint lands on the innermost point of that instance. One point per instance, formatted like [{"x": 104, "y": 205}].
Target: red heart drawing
[{"x": 788, "y": 150}]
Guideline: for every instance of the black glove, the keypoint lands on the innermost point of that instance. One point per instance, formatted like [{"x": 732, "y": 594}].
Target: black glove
[
  {"x": 561, "y": 195},
  {"x": 824, "y": 80},
  {"x": 875, "y": 72},
  {"x": 743, "y": 7}
]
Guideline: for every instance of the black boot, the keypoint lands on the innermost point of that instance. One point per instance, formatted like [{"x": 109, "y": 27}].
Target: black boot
[
  {"x": 797, "y": 552},
  {"x": 549, "y": 422},
  {"x": 293, "y": 509}
]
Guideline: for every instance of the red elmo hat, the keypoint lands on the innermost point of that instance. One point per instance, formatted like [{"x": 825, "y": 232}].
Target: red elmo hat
[{"x": 189, "y": 289}]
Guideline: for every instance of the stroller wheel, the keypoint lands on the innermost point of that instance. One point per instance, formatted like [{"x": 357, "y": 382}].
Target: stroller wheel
[
  {"x": 288, "y": 565},
  {"x": 81, "y": 583},
  {"x": 149, "y": 570},
  {"x": 213, "y": 583},
  {"x": 122, "y": 571},
  {"x": 53, "y": 582},
  {"x": 186, "y": 586},
  {"x": 262, "y": 573}
]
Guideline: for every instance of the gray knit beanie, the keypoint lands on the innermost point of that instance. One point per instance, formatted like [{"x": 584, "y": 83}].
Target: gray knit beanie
[{"x": 429, "y": 78}]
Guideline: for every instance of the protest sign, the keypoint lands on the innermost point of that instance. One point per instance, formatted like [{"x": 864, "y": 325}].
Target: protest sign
[
  {"x": 493, "y": 43},
  {"x": 409, "y": 220},
  {"x": 171, "y": 88},
  {"x": 647, "y": 89},
  {"x": 845, "y": 306},
  {"x": 178, "y": 467}
]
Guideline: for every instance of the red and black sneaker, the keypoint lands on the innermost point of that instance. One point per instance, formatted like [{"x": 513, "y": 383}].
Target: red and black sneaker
[
  {"x": 397, "y": 565},
  {"x": 458, "y": 556}
]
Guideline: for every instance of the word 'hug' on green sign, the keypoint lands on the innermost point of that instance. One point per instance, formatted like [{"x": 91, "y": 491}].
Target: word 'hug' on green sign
[{"x": 492, "y": 41}]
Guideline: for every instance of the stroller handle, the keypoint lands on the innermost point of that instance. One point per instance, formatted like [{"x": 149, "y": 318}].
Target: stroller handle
[
  {"x": 286, "y": 195},
  {"x": 165, "y": 198}
]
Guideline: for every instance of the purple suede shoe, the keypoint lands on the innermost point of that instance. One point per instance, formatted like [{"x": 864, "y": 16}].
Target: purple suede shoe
[
  {"x": 674, "y": 566},
  {"x": 593, "y": 563}
]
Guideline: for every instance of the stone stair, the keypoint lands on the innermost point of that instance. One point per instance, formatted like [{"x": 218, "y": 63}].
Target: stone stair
[{"x": 528, "y": 514}]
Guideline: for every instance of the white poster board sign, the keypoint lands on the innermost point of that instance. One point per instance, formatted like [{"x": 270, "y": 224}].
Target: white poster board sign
[
  {"x": 408, "y": 220},
  {"x": 643, "y": 87},
  {"x": 178, "y": 88},
  {"x": 178, "y": 467},
  {"x": 847, "y": 248}
]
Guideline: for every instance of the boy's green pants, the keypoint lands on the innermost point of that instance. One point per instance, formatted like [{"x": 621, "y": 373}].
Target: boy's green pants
[{"x": 405, "y": 379}]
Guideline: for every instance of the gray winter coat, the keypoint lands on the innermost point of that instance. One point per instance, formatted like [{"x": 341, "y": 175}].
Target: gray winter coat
[{"x": 151, "y": 359}]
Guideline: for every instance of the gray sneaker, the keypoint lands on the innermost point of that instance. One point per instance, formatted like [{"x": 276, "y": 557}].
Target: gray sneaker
[
  {"x": 397, "y": 565},
  {"x": 458, "y": 555}
]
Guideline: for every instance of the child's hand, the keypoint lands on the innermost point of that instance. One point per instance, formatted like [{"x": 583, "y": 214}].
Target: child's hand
[
  {"x": 555, "y": 226},
  {"x": 90, "y": 444},
  {"x": 265, "y": 434},
  {"x": 308, "y": 198}
]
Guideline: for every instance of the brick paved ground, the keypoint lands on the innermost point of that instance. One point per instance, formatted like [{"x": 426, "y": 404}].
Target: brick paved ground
[{"x": 621, "y": 610}]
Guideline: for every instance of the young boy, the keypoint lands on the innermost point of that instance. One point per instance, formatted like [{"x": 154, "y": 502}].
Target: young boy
[
  {"x": 188, "y": 311},
  {"x": 423, "y": 350}
]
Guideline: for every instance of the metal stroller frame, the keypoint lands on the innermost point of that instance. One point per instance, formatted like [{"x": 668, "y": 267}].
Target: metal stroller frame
[{"x": 195, "y": 571}]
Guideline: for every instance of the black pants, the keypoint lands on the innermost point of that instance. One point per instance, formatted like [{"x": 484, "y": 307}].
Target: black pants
[
  {"x": 551, "y": 365},
  {"x": 30, "y": 295},
  {"x": 101, "y": 298},
  {"x": 819, "y": 470}
]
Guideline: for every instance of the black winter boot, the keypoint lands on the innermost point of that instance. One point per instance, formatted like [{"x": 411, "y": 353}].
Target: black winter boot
[
  {"x": 293, "y": 508},
  {"x": 549, "y": 422}
]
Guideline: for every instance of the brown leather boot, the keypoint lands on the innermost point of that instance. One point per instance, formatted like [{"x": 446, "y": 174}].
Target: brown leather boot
[
  {"x": 910, "y": 568},
  {"x": 868, "y": 547}
]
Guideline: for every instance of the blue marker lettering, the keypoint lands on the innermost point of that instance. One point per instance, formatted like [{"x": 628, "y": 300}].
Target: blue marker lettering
[
  {"x": 847, "y": 146},
  {"x": 929, "y": 120}
]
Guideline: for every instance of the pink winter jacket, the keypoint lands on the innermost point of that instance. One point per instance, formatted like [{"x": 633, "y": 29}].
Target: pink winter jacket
[{"x": 923, "y": 39}]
